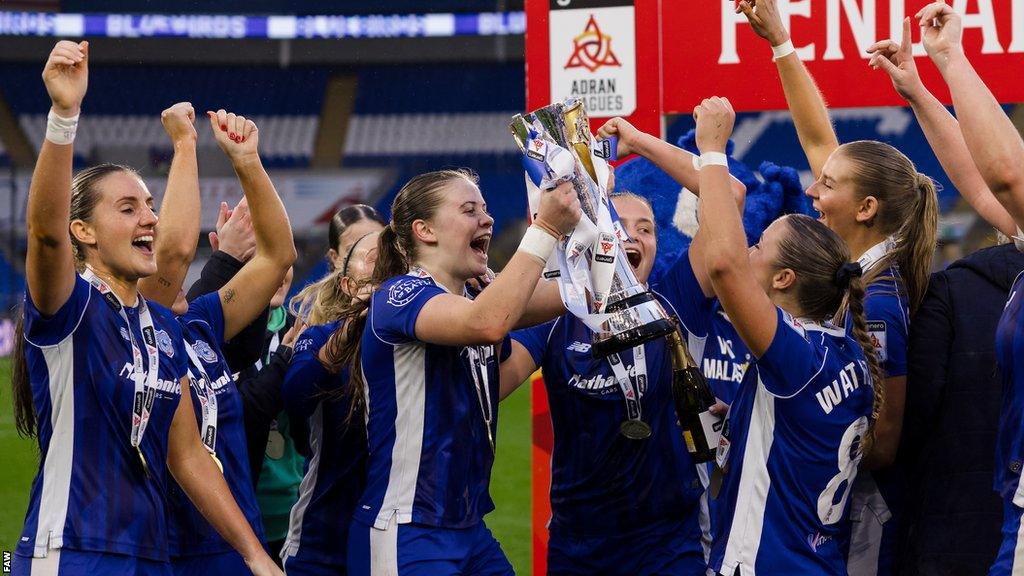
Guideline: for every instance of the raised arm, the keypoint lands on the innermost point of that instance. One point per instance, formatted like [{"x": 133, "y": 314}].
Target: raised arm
[
  {"x": 453, "y": 320},
  {"x": 179, "y": 210},
  {"x": 197, "y": 474},
  {"x": 674, "y": 161},
  {"x": 246, "y": 295},
  {"x": 993, "y": 142},
  {"x": 940, "y": 128},
  {"x": 725, "y": 243},
  {"x": 50, "y": 261},
  {"x": 806, "y": 104}
]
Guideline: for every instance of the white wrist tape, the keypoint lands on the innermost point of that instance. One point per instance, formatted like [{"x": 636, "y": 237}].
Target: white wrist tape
[
  {"x": 783, "y": 50},
  {"x": 538, "y": 242},
  {"x": 61, "y": 130},
  {"x": 714, "y": 159}
]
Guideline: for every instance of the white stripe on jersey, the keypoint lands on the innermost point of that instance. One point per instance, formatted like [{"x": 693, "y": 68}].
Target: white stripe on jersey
[
  {"x": 384, "y": 550},
  {"x": 308, "y": 484},
  {"x": 704, "y": 518},
  {"x": 744, "y": 537},
  {"x": 53, "y": 501},
  {"x": 1018, "y": 550},
  {"x": 48, "y": 566},
  {"x": 410, "y": 403}
]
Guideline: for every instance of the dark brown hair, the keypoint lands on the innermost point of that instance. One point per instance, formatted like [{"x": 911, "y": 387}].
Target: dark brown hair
[
  {"x": 346, "y": 217},
  {"x": 815, "y": 254}
]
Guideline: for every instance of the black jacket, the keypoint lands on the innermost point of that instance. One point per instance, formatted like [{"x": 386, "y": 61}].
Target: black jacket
[{"x": 953, "y": 515}]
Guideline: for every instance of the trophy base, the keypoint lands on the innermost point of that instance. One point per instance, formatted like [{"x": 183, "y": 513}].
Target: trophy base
[{"x": 636, "y": 319}]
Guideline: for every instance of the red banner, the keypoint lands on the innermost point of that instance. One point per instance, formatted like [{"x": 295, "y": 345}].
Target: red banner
[
  {"x": 543, "y": 443},
  {"x": 595, "y": 46},
  {"x": 709, "y": 50}
]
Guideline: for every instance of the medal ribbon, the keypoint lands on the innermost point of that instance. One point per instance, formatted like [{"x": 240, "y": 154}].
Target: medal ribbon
[
  {"x": 144, "y": 378},
  {"x": 207, "y": 399},
  {"x": 630, "y": 388},
  {"x": 478, "y": 357}
]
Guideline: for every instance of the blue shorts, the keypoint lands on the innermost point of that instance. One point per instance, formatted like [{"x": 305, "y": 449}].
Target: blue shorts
[
  {"x": 1011, "y": 551},
  {"x": 219, "y": 564},
  {"x": 298, "y": 566},
  {"x": 418, "y": 550},
  {"x": 665, "y": 548},
  {"x": 65, "y": 562}
]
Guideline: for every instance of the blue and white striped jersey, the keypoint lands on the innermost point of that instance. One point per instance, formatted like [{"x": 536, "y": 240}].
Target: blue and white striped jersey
[
  {"x": 335, "y": 473},
  {"x": 91, "y": 491},
  {"x": 430, "y": 453},
  {"x": 190, "y": 533},
  {"x": 790, "y": 450}
]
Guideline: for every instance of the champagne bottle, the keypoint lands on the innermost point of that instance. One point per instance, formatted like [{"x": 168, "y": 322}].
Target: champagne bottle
[{"x": 693, "y": 400}]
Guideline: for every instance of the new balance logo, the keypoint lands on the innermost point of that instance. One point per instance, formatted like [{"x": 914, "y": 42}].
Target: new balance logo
[{"x": 580, "y": 347}]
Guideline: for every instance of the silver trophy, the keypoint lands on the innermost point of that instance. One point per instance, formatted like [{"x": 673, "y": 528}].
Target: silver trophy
[{"x": 596, "y": 281}]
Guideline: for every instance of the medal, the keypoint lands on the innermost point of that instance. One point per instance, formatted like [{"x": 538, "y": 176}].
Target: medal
[
  {"x": 635, "y": 429},
  {"x": 217, "y": 461}
]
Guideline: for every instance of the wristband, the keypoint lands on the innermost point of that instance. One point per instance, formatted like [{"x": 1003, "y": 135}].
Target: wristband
[
  {"x": 538, "y": 242},
  {"x": 696, "y": 162},
  {"x": 1018, "y": 240},
  {"x": 783, "y": 50},
  {"x": 714, "y": 159},
  {"x": 61, "y": 130}
]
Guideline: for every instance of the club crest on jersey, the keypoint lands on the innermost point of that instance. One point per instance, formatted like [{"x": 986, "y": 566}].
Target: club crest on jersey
[
  {"x": 402, "y": 292},
  {"x": 124, "y": 333},
  {"x": 204, "y": 351},
  {"x": 163, "y": 342}
]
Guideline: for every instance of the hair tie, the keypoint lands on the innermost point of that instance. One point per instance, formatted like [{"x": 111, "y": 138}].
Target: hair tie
[
  {"x": 344, "y": 267},
  {"x": 847, "y": 272}
]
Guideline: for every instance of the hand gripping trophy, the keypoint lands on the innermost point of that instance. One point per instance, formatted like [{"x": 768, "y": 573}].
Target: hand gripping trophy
[{"x": 594, "y": 277}]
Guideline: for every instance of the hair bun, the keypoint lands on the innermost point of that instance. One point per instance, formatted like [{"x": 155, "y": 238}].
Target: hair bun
[{"x": 847, "y": 272}]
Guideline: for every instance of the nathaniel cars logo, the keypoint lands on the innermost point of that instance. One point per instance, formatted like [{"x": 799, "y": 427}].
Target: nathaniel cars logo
[{"x": 592, "y": 49}]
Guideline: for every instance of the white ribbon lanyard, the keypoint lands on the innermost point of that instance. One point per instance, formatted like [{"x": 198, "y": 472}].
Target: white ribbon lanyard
[
  {"x": 1018, "y": 240},
  {"x": 144, "y": 378},
  {"x": 876, "y": 253},
  {"x": 478, "y": 356},
  {"x": 631, "y": 389},
  {"x": 207, "y": 399},
  {"x": 584, "y": 283}
]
